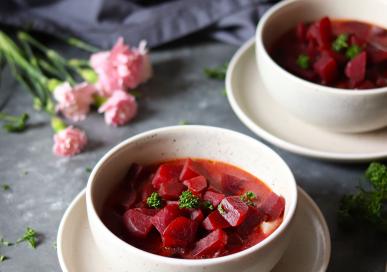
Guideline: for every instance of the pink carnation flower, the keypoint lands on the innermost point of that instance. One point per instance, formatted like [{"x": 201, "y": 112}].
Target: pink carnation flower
[
  {"x": 69, "y": 141},
  {"x": 74, "y": 102},
  {"x": 121, "y": 68},
  {"x": 120, "y": 108}
]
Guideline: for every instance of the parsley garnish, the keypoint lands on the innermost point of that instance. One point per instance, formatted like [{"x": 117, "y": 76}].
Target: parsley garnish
[
  {"x": 154, "y": 201},
  {"x": 5, "y": 187},
  {"x": 218, "y": 72},
  {"x": 248, "y": 198},
  {"x": 3, "y": 258},
  {"x": 208, "y": 205},
  {"x": 353, "y": 51},
  {"x": 188, "y": 200},
  {"x": 340, "y": 42},
  {"x": 5, "y": 242},
  {"x": 221, "y": 210},
  {"x": 29, "y": 236},
  {"x": 367, "y": 205},
  {"x": 303, "y": 61}
]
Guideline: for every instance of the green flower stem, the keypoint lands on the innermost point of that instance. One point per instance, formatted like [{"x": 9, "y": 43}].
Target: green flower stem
[
  {"x": 78, "y": 63},
  {"x": 81, "y": 45}
]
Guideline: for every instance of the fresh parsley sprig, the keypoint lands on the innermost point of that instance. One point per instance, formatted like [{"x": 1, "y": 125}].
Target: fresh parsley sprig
[
  {"x": 29, "y": 236},
  {"x": 188, "y": 200},
  {"x": 248, "y": 198},
  {"x": 154, "y": 200},
  {"x": 218, "y": 72},
  {"x": 367, "y": 205}
]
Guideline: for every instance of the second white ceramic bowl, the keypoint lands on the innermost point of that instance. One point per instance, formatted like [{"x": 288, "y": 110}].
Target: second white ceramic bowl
[
  {"x": 331, "y": 108},
  {"x": 197, "y": 142}
]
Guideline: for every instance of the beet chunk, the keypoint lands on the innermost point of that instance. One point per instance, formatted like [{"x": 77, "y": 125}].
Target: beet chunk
[
  {"x": 253, "y": 219},
  {"x": 165, "y": 216},
  {"x": 164, "y": 173},
  {"x": 326, "y": 68},
  {"x": 273, "y": 206},
  {"x": 197, "y": 215},
  {"x": 138, "y": 221},
  {"x": 215, "y": 221},
  {"x": 213, "y": 197},
  {"x": 188, "y": 171},
  {"x": 235, "y": 210},
  {"x": 211, "y": 244},
  {"x": 180, "y": 232},
  {"x": 196, "y": 184},
  {"x": 321, "y": 32},
  {"x": 232, "y": 185},
  {"x": 171, "y": 189},
  {"x": 356, "y": 68}
]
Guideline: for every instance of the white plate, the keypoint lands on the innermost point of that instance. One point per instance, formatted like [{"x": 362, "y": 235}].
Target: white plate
[
  {"x": 308, "y": 251},
  {"x": 259, "y": 112}
]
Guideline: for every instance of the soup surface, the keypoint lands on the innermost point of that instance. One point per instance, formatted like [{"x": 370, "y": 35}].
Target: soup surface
[
  {"x": 338, "y": 53},
  {"x": 192, "y": 209}
]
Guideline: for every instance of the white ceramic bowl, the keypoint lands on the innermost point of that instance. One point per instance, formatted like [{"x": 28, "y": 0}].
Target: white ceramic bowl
[
  {"x": 330, "y": 108},
  {"x": 198, "y": 142}
]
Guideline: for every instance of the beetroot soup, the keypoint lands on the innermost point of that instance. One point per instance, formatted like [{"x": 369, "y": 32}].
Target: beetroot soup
[
  {"x": 192, "y": 209},
  {"x": 338, "y": 53}
]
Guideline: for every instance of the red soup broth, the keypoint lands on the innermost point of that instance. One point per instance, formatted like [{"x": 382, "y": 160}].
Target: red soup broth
[
  {"x": 231, "y": 210},
  {"x": 337, "y": 53}
]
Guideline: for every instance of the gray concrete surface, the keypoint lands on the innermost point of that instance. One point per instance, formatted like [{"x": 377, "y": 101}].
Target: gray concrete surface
[{"x": 42, "y": 185}]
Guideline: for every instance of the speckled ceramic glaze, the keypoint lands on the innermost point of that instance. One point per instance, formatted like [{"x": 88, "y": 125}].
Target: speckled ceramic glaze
[
  {"x": 197, "y": 142},
  {"x": 330, "y": 108}
]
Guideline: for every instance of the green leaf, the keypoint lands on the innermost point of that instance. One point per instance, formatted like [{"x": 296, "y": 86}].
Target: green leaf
[
  {"x": 154, "y": 201},
  {"x": 3, "y": 258},
  {"x": 340, "y": 42},
  {"x": 221, "y": 210},
  {"x": 29, "y": 236},
  {"x": 188, "y": 200},
  {"x": 5, "y": 187},
  {"x": 208, "y": 205},
  {"x": 88, "y": 169},
  {"x": 5, "y": 242},
  {"x": 353, "y": 51},
  {"x": 303, "y": 61},
  {"x": 82, "y": 45},
  {"x": 218, "y": 72},
  {"x": 14, "y": 123}
]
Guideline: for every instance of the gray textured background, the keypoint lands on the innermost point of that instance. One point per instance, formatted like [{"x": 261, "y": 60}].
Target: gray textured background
[{"x": 178, "y": 91}]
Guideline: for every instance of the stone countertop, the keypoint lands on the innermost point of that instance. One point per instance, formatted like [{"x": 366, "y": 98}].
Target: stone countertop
[{"x": 42, "y": 185}]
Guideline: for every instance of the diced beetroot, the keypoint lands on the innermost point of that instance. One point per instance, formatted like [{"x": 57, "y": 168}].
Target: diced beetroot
[
  {"x": 234, "y": 239},
  {"x": 235, "y": 210},
  {"x": 147, "y": 190},
  {"x": 232, "y": 185},
  {"x": 376, "y": 54},
  {"x": 301, "y": 31},
  {"x": 326, "y": 68},
  {"x": 165, "y": 216},
  {"x": 188, "y": 171},
  {"x": 356, "y": 68},
  {"x": 213, "y": 197},
  {"x": 196, "y": 184},
  {"x": 134, "y": 172},
  {"x": 253, "y": 218},
  {"x": 209, "y": 245},
  {"x": 321, "y": 32},
  {"x": 381, "y": 82},
  {"x": 197, "y": 215},
  {"x": 180, "y": 232},
  {"x": 164, "y": 173},
  {"x": 273, "y": 206},
  {"x": 366, "y": 85},
  {"x": 171, "y": 189},
  {"x": 128, "y": 202},
  {"x": 356, "y": 40},
  {"x": 138, "y": 222},
  {"x": 215, "y": 221}
]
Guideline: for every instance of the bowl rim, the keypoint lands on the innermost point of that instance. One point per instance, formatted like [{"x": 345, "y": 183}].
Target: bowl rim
[
  {"x": 286, "y": 223},
  {"x": 308, "y": 84}
]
